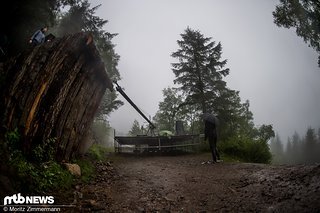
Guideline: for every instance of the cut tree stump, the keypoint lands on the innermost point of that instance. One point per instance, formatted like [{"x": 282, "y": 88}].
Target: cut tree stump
[{"x": 52, "y": 91}]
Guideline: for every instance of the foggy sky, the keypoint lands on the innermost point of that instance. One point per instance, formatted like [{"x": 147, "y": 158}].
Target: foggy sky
[{"x": 271, "y": 67}]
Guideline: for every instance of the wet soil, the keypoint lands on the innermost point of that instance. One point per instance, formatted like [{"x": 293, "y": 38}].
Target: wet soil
[{"x": 185, "y": 183}]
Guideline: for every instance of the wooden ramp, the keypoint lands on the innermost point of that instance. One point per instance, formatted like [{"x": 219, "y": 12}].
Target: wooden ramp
[{"x": 141, "y": 144}]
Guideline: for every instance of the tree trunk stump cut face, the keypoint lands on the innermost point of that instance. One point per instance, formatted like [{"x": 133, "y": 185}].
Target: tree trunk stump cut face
[{"x": 52, "y": 91}]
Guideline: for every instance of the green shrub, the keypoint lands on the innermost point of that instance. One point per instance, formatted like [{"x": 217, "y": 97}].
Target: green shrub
[
  {"x": 97, "y": 152},
  {"x": 87, "y": 169},
  {"x": 258, "y": 152},
  {"x": 45, "y": 151},
  {"x": 232, "y": 147},
  {"x": 43, "y": 174},
  {"x": 12, "y": 139},
  {"x": 246, "y": 149},
  {"x": 204, "y": 146},
  {"x": 51, "y": 176},
  {"x": 42, "y": 177}
]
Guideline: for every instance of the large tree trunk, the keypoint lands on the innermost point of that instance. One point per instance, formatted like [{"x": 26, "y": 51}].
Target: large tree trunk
[{"x": 52, "y": 91}]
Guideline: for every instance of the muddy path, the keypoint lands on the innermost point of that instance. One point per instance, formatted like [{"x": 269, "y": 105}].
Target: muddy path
[{"x": 184, "y": 184}]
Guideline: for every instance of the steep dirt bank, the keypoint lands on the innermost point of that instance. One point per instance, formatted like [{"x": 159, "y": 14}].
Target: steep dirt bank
[{"x": 184, "y": 184}]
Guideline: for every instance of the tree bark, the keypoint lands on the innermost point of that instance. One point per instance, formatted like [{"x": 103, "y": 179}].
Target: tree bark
[{"x": 52, "y": 91}]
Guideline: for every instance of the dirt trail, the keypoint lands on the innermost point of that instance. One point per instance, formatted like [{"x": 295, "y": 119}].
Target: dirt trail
[{"x": 183, "y": 184}]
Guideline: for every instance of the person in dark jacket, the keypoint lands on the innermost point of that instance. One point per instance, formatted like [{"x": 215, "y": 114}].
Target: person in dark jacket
[
  {"x": 210, "y": 133},
  {"x": 39, "y": 36}
]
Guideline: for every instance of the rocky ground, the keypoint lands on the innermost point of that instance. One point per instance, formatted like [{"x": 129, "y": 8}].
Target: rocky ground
[{"x": 185, "y": 183}]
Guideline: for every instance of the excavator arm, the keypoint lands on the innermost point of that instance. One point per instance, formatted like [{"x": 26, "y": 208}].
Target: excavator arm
[{"x": 120, "y": 90}]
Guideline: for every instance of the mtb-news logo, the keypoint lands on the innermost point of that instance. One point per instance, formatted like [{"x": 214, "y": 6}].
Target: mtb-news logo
[{"x": 20, "y": 203}]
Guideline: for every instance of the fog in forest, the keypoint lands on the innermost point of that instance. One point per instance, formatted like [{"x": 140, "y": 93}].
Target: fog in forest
[
  {"x": 192, "y": 105},
  {"x": 271, "y": 66}
]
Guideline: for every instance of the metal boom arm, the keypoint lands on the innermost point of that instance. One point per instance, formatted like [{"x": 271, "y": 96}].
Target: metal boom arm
[{"x": 119, "y": 89}]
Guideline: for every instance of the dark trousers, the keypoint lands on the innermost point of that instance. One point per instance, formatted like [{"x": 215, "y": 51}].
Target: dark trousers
[
  {"x": 34, "y": 42},
  {"x": 213, "y": 148}
]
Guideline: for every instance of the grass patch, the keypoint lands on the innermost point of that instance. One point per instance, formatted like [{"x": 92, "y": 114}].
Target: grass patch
[
  {"x": 95, "y": 153},
  {"x": 230, "y": 159}
]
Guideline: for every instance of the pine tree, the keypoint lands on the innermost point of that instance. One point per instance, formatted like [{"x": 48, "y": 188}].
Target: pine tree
[
  {"x": 296, "y": 148},
  {"x": 200, "y": 69},
  {"x": 288, "y": 153},
  {"x": 199, "y": 72},
  {"x": 310, "y": 146},
  {"x": 303, "y": 15},
  {"x": 276, "y": 147},
  {"x": 136, "y": 129}
]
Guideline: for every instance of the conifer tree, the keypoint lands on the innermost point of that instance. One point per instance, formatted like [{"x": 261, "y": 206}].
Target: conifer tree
[
  {"x": 200, "y": 70},
  {"x": 136, "y": 129},
  {"x": 303, "y": 15},
  {"x": 310, "y": 146},
  {"x": 276, "y": 148},
  {"x": 296, "y": 148}
]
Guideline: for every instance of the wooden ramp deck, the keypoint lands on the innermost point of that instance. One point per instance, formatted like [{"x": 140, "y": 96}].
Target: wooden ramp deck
[{"x": 155, "y": 143}]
